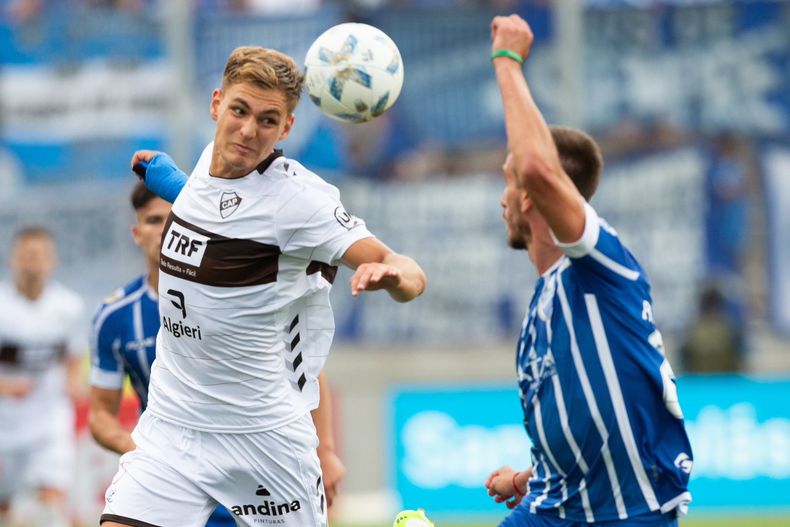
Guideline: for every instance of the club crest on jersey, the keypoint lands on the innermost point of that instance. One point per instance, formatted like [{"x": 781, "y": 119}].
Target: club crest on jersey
[{"x": 228, "y": 203}]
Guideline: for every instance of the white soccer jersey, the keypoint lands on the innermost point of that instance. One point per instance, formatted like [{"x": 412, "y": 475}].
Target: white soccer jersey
[
  {"x": 245, "y": 272},
  {"x": 35, "y": 336}
]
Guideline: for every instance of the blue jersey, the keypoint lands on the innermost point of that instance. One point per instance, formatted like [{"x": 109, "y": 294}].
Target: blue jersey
[
  {"x": 124, "y": 343},
  {"x": 599, "y": 397}
]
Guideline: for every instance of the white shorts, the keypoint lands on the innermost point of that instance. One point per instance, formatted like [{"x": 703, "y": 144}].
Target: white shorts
[
  {"x": 47, "y": 462},
  {"x": 177, "y": 476}
]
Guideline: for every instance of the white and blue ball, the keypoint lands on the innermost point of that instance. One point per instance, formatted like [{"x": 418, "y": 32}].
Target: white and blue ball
[{"x": 353, "y": 72}]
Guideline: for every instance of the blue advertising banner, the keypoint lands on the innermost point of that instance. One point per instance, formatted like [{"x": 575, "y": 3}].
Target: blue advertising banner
[{"x": 448, "y": 439}]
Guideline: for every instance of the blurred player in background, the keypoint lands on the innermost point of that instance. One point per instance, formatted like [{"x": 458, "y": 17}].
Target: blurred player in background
[
  {"x": 40, "y": 350},
  {"x": 599, "y": 397},
  {"x": 247, "y": 258},
  {"x": 124, "y": 343}
]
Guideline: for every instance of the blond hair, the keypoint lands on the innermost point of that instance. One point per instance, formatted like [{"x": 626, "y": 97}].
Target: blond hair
[{"x": 265, "y": 68}]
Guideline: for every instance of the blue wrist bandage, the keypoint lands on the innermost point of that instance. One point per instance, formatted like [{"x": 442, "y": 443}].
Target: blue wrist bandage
[{"x": 164, "y": 178}]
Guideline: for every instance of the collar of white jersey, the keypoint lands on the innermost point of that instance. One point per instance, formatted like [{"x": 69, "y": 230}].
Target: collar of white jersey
[
  {"x": 263, "y": 166},
  {"x": 266, "y": 163}
]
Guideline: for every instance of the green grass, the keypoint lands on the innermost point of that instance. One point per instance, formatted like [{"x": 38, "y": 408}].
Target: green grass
[{"x": 734, "y": 521}]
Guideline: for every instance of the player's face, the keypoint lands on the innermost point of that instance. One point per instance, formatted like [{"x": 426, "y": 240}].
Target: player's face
[
  {"x": 250, "y": 122},
  {"x": 512, "y": 201},
  {"x": 33, "y": 258},
  {"x": 147, "y": 232}
]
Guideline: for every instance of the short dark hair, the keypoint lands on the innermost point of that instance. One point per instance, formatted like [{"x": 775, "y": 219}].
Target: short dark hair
[
  {"x": 33, "y": 231},
  {"x": 141, "y": 196},
  {"x": 580, "y": 157}
]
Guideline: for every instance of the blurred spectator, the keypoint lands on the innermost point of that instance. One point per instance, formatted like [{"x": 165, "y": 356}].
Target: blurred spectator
[
  {"x": 727, "y": 186},
  {"x": 40, "y": 348},
  {"x": 715, "y": 341}
]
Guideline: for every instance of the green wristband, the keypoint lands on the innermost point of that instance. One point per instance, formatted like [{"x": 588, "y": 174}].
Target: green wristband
[{"x": 507, "y": 53}]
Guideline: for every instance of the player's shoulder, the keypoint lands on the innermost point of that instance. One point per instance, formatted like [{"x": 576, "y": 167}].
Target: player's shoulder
[
  {"x": 6, "y": 289},
  {"x": 65, "y": 296},
  {"x": 296, "y": 178},
  {"x": 122, "y": 297}
]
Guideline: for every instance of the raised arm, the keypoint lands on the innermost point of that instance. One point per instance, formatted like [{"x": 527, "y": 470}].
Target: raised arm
[
  {"x": 535, "y": 160},
  {"x": 379, "y": 267}
]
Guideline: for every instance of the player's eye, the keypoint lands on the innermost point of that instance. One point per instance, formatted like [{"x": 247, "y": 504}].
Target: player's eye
[
  {"x": 155, "y": 220},
  {"x": 237, "y": 110}
]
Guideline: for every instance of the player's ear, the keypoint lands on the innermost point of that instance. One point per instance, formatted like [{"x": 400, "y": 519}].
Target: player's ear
[
  {"x": 136, "y": 234},
  {"x": 289, "y": 122},
  {"x": 525, "y": 202},
  {"x": 216, "y": 100}
]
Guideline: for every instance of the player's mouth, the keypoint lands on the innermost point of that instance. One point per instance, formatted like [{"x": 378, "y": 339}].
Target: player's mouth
[{"x": 243, "y": 150}]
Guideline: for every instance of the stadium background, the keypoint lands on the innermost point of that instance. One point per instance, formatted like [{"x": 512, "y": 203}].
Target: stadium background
[{"x": 424, "y": 399}]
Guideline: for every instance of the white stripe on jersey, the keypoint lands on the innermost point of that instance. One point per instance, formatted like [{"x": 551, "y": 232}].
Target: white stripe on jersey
[
  {"x": 560, "y": 508},
  {"x": 680, "y": 501},
  {"x": 545, "y": 494},
  {"x": 542, "y": 435},
  {"x": 586, "y": 501},
  {"x": 577, "y": 453},
  {"x": 142, "y": 354},
  {"x": 610, "y": 264},
  {"x": 591, "y": 402},
  {"x": 616, "y": 394}
]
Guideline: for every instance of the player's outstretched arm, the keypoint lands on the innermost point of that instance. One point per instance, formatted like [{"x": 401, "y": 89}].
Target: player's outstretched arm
[
  {"x": 332, "y": 468},
  {"x": 379, "y": 267},
  {"x": 535, "y": 160},
  {"x": 103, "y": 421},
  {"x": 160, "y": 173}
]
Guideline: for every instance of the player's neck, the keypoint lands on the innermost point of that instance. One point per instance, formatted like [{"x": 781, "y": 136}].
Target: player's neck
[
  {"x": 543, "y": 253},
  {"x": 153, "y": 276},
  {"x": 30, "y": 289}
]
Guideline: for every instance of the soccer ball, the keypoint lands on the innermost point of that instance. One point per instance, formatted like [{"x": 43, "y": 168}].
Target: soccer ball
[
  {"x": 353, "y": 72},
  {"x": 409, "y": 518}
]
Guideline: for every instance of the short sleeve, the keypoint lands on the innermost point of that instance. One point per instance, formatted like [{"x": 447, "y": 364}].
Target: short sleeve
[
  {"x": 600, "y": 258},
  {"x": 586, "y": 243},
  {"x": 314, "y": 225},
  {"x": 106, "y": 367}
]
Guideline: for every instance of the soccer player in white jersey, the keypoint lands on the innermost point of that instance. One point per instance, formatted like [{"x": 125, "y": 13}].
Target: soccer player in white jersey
[
  {"x": 40, "y": 349},
  {"x": 246, "y": 237},
  {"x": 598, "y": 395},
  {"x": 123, "y": 343}
]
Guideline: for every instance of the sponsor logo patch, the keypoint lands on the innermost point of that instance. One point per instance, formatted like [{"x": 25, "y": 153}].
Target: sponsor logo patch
[
  {"x": 345, "y": 219},
  {"x": 184, "y": 245}
]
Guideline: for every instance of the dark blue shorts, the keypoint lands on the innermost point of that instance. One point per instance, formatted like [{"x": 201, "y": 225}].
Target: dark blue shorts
[{"x": 521, "y": 517}]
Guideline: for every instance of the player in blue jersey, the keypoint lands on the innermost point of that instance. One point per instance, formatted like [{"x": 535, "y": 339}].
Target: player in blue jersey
[
  {"x": 599, "y": 398},
  {"x": 124, "y": 339}
]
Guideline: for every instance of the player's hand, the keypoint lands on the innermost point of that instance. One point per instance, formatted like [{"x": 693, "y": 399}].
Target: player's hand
[
  {"x": 500, "y": 486},
  {"x": 332, "y": 472},
  {"x": 513, "y": 33},
  {"x": 142, "y": 155},
  {"x": 374, "y": 276},
  {"x": 16, "y": 388}
]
